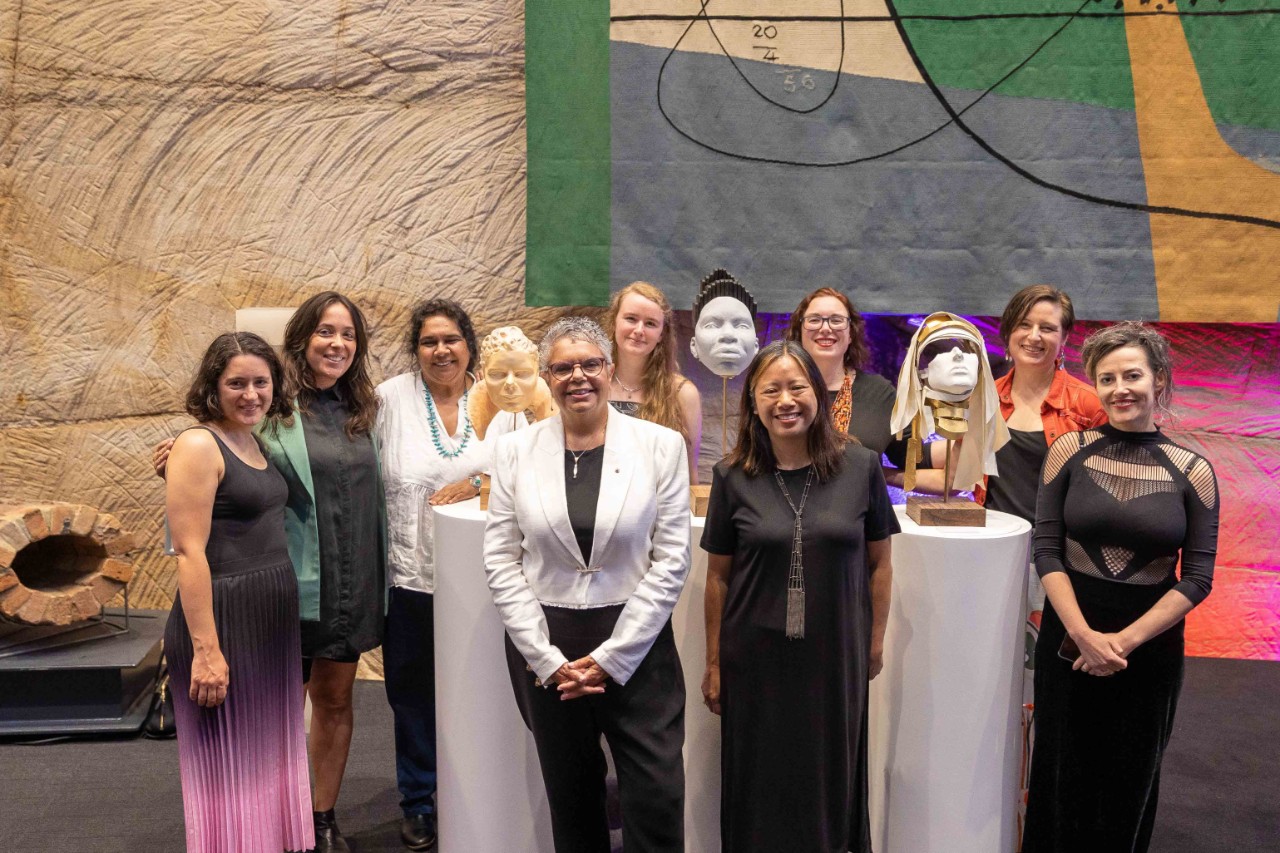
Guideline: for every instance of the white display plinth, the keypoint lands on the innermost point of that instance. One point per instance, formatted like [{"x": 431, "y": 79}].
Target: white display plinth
[
  {"x": 945, "y": 727},
  {"x": 490, "y": 795}
]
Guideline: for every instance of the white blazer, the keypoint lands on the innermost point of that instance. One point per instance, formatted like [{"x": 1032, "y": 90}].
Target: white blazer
[{"x": 640, "y": 555}]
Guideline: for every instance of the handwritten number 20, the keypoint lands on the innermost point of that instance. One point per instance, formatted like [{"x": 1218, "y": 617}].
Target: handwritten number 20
[{"x": 767, "y": 31}]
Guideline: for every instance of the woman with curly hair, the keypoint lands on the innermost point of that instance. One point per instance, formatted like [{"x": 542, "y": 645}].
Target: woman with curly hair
[{"x": 647, "y": 382}]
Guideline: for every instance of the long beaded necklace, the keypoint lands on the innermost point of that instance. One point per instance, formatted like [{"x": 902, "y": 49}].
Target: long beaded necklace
[
  {"x": 795, "y": 574},
  {"x": 433, "y": 420}
]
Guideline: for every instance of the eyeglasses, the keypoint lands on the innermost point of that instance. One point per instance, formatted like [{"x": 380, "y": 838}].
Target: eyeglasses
[
  {"x": 562, "y": 370},
  {"x": 835, "y": 321}
]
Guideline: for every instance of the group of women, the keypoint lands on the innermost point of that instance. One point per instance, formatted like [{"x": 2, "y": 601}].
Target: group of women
[{"x": 587, "y": 549}]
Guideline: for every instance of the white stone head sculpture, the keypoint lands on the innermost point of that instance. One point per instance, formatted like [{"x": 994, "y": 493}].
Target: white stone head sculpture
[
  {"x": 508, "y": 370},
  {"x": 724, "y": 325},
  {"x": 945, "y": 386}
]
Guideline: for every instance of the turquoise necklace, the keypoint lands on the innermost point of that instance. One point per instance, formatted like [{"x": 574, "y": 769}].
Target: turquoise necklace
[{"x": 434, "y": 421}]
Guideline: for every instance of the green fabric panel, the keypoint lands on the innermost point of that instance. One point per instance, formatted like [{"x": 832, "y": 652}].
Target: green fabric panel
[
  {"x": 1088, "y": 62},
  {"x": 1238, "y": 58},
  {"x": 569, "y": 173}
]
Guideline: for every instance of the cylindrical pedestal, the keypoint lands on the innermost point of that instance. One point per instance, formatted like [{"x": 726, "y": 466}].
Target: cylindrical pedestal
[
  {"x": 490, "y": 793},
  {"x": 701, "y": 727},
  {"x": 945, "y": 739}
]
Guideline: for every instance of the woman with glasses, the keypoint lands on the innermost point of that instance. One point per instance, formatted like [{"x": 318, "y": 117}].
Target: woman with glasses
[
  {"x": 798, "y": 582},
  {"x": 586, "y": 551},
  {"x": 647, "y": 382},
  {"x": 834, "y": 334}
]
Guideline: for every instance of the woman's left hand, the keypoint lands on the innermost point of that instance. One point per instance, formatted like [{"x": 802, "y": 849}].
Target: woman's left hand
[
  {"x": 875, "y": 662},
  {"x": 454, "y": 492},
  {"x": 585, "y": 677}
]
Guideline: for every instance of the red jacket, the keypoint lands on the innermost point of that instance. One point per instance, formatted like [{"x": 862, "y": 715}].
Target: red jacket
[{"x": 1070, "y": 406}]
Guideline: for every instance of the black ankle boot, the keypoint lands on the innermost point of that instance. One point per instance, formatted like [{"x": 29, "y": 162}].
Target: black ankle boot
[{"x": 328, "y": 838}]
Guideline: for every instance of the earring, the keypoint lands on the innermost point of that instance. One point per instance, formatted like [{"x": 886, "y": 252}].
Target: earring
[{"x": 1059, "y": 362}]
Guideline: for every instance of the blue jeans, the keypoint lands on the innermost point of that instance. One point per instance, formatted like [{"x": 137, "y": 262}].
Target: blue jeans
[{"x": 409, "y": 665}]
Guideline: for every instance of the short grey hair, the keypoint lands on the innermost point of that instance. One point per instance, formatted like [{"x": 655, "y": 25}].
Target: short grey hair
[
  {"x": 1132, "y": 333},
  {"x": 575, "y": 329}
]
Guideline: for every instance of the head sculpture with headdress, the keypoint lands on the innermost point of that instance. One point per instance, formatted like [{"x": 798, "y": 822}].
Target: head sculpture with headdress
[
  {"x": 945, "y": 386},
  {"x": 724, "y": 325}
]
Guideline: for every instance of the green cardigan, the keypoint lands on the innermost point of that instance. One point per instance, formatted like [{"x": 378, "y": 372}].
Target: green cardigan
[{"x": 287, "y": 447}]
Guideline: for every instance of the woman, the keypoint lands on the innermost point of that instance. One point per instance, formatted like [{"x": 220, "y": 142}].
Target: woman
[
  {"x": 586, "y": 551},
  {"x": 430, "y": 456},
  {"x": 646, "y": 379},
  {"x": 798, "y": 582},
  {"x": 232, "y": 636},
  {"x": 834, "y": 334},
  {"x": 1118, "y": 506},
  {"x": 336, "y": 526}
]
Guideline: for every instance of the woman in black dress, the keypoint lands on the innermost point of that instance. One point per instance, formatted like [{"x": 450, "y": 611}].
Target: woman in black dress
[
  {"x": 232, "y": 636},
  {"x": 1118, "y": 506},
  {"x": 798, "y": 584}
]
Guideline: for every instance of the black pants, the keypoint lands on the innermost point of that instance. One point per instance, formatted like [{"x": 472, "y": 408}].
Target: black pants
[
  {"x": 643, "y": 722},
  {"x": 409, "y": 663}
]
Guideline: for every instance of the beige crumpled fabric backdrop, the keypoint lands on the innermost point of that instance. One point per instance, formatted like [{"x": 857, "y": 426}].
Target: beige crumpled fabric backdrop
[{"x": 167, "y": 163}]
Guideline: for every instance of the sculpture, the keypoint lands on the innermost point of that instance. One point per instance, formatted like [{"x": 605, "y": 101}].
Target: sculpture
[
  {"x": 724, "y": 325},
  {"x": 508, "y": 381},
  {"x": 945, "y": 387}
]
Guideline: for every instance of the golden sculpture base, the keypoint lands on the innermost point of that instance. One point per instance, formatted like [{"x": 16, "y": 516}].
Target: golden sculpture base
[
  {"x": 699, "y": 497},
  {"x": 956, "y": 512},
  {"x": 484, "y": 495}
]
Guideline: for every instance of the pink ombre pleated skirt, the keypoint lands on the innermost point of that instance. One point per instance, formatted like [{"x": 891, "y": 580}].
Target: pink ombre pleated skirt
[{"x": 244, "y": 764}]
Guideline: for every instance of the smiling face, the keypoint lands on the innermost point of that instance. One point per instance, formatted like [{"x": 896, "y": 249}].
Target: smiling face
[
  {"x": 1127, "y": 387},
  {"x": 784, "y": 400},
  {"x": 244, "y": 390},
  {"x": 824, "y": 343},
  {"x": 511, "y": 379},
  {"x": 724, "y": 338},
  {"x": 442, "y": 353},
  {"x": 579, "y": 394},
  {"x": 950, "y": 366},
  {"x": 1036, "y": 341},
  {"x": 332, "y": 346},
  {"x": 639, "y": 325}
]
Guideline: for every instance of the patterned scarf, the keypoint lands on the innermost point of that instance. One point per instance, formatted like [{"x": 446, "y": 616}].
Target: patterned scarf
[{"x": 842, "y": 408}]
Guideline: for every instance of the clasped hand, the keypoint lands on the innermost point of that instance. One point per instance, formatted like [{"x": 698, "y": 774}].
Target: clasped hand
[
  {"x": 578, "y": 678},
  {"x": 1100, "y": 654}
]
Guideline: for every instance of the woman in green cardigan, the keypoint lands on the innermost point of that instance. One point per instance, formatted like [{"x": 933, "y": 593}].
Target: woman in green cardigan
[{"x": 335, "y": 521}]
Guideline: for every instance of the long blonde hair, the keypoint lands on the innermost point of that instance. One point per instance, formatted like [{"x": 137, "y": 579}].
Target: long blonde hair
[{"x": 661, "y": 377}]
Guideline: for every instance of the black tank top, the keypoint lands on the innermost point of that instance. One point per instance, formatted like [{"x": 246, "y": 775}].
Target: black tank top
[{"x": 248, "y": 513}]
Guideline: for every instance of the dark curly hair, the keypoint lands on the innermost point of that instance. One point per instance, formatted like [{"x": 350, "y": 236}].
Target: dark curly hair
[
  {"x": 858, "y": 354},
  {"x": 355, "y": 385},
  {"x": 443, "y": 308},
  {"x": 202, "y": 397}
]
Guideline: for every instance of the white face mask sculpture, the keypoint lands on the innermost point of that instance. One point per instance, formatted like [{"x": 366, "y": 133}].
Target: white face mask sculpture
[
  {"x": 509, "y": 380},
  {"x": 945, "y": 386},
  {"x": 724, "y": 327}
]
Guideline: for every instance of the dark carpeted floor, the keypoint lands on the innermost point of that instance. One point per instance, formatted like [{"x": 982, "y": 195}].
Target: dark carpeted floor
[{"x": 1219, "y": 790}]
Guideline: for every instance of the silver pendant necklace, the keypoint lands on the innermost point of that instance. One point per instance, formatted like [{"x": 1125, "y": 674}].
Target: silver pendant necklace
[
  {"x": 576, "y": 457},
  {"x": 795, "y": 573}
]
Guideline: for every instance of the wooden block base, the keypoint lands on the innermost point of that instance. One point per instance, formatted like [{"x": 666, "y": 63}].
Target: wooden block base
[
  {"x": 484, "y": 495},
  {"x": 699, "y": 497},
  {"x": 956, "y": 512}
]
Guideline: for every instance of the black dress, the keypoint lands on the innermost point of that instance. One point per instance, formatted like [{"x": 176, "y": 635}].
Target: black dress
[
  {"x": 794, "y": 750},
  {"x": 1114, "y": 511},
  {"x": 871, "y": 408},
  {"x": 244, "y": 763},
  {"x": 344, "y": 471}
]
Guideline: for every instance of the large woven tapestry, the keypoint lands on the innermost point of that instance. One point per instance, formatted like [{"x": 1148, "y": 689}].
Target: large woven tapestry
[{"x": 922, "y": 154}]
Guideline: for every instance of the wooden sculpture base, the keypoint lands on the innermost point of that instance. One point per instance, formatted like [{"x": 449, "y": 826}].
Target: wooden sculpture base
[
  {"x": 956, "y": 512},
  {"x": 484, "y": 495},
  {"x": 699, "y": 496}
]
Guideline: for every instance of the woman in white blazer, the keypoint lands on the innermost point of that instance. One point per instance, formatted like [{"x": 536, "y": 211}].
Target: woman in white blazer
[{"x": 586, "y": 551}]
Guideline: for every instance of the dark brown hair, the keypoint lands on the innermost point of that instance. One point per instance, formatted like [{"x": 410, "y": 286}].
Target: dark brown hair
[
  {"x": 355, "y": 386},
  {"x": 1132, "y": 333},
  {"x": 202, "y": 397},
  {"x": 661, "y": 378},
  {"x": 754, "y": 450},
  {"x": 858, "y": 353},
  {"x": 451, "y": 310},
  {"x": 1024, "y": 300}
]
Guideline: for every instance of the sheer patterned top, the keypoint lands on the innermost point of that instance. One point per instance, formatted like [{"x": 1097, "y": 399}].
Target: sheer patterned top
[{"x": 1121, "y": 505}]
